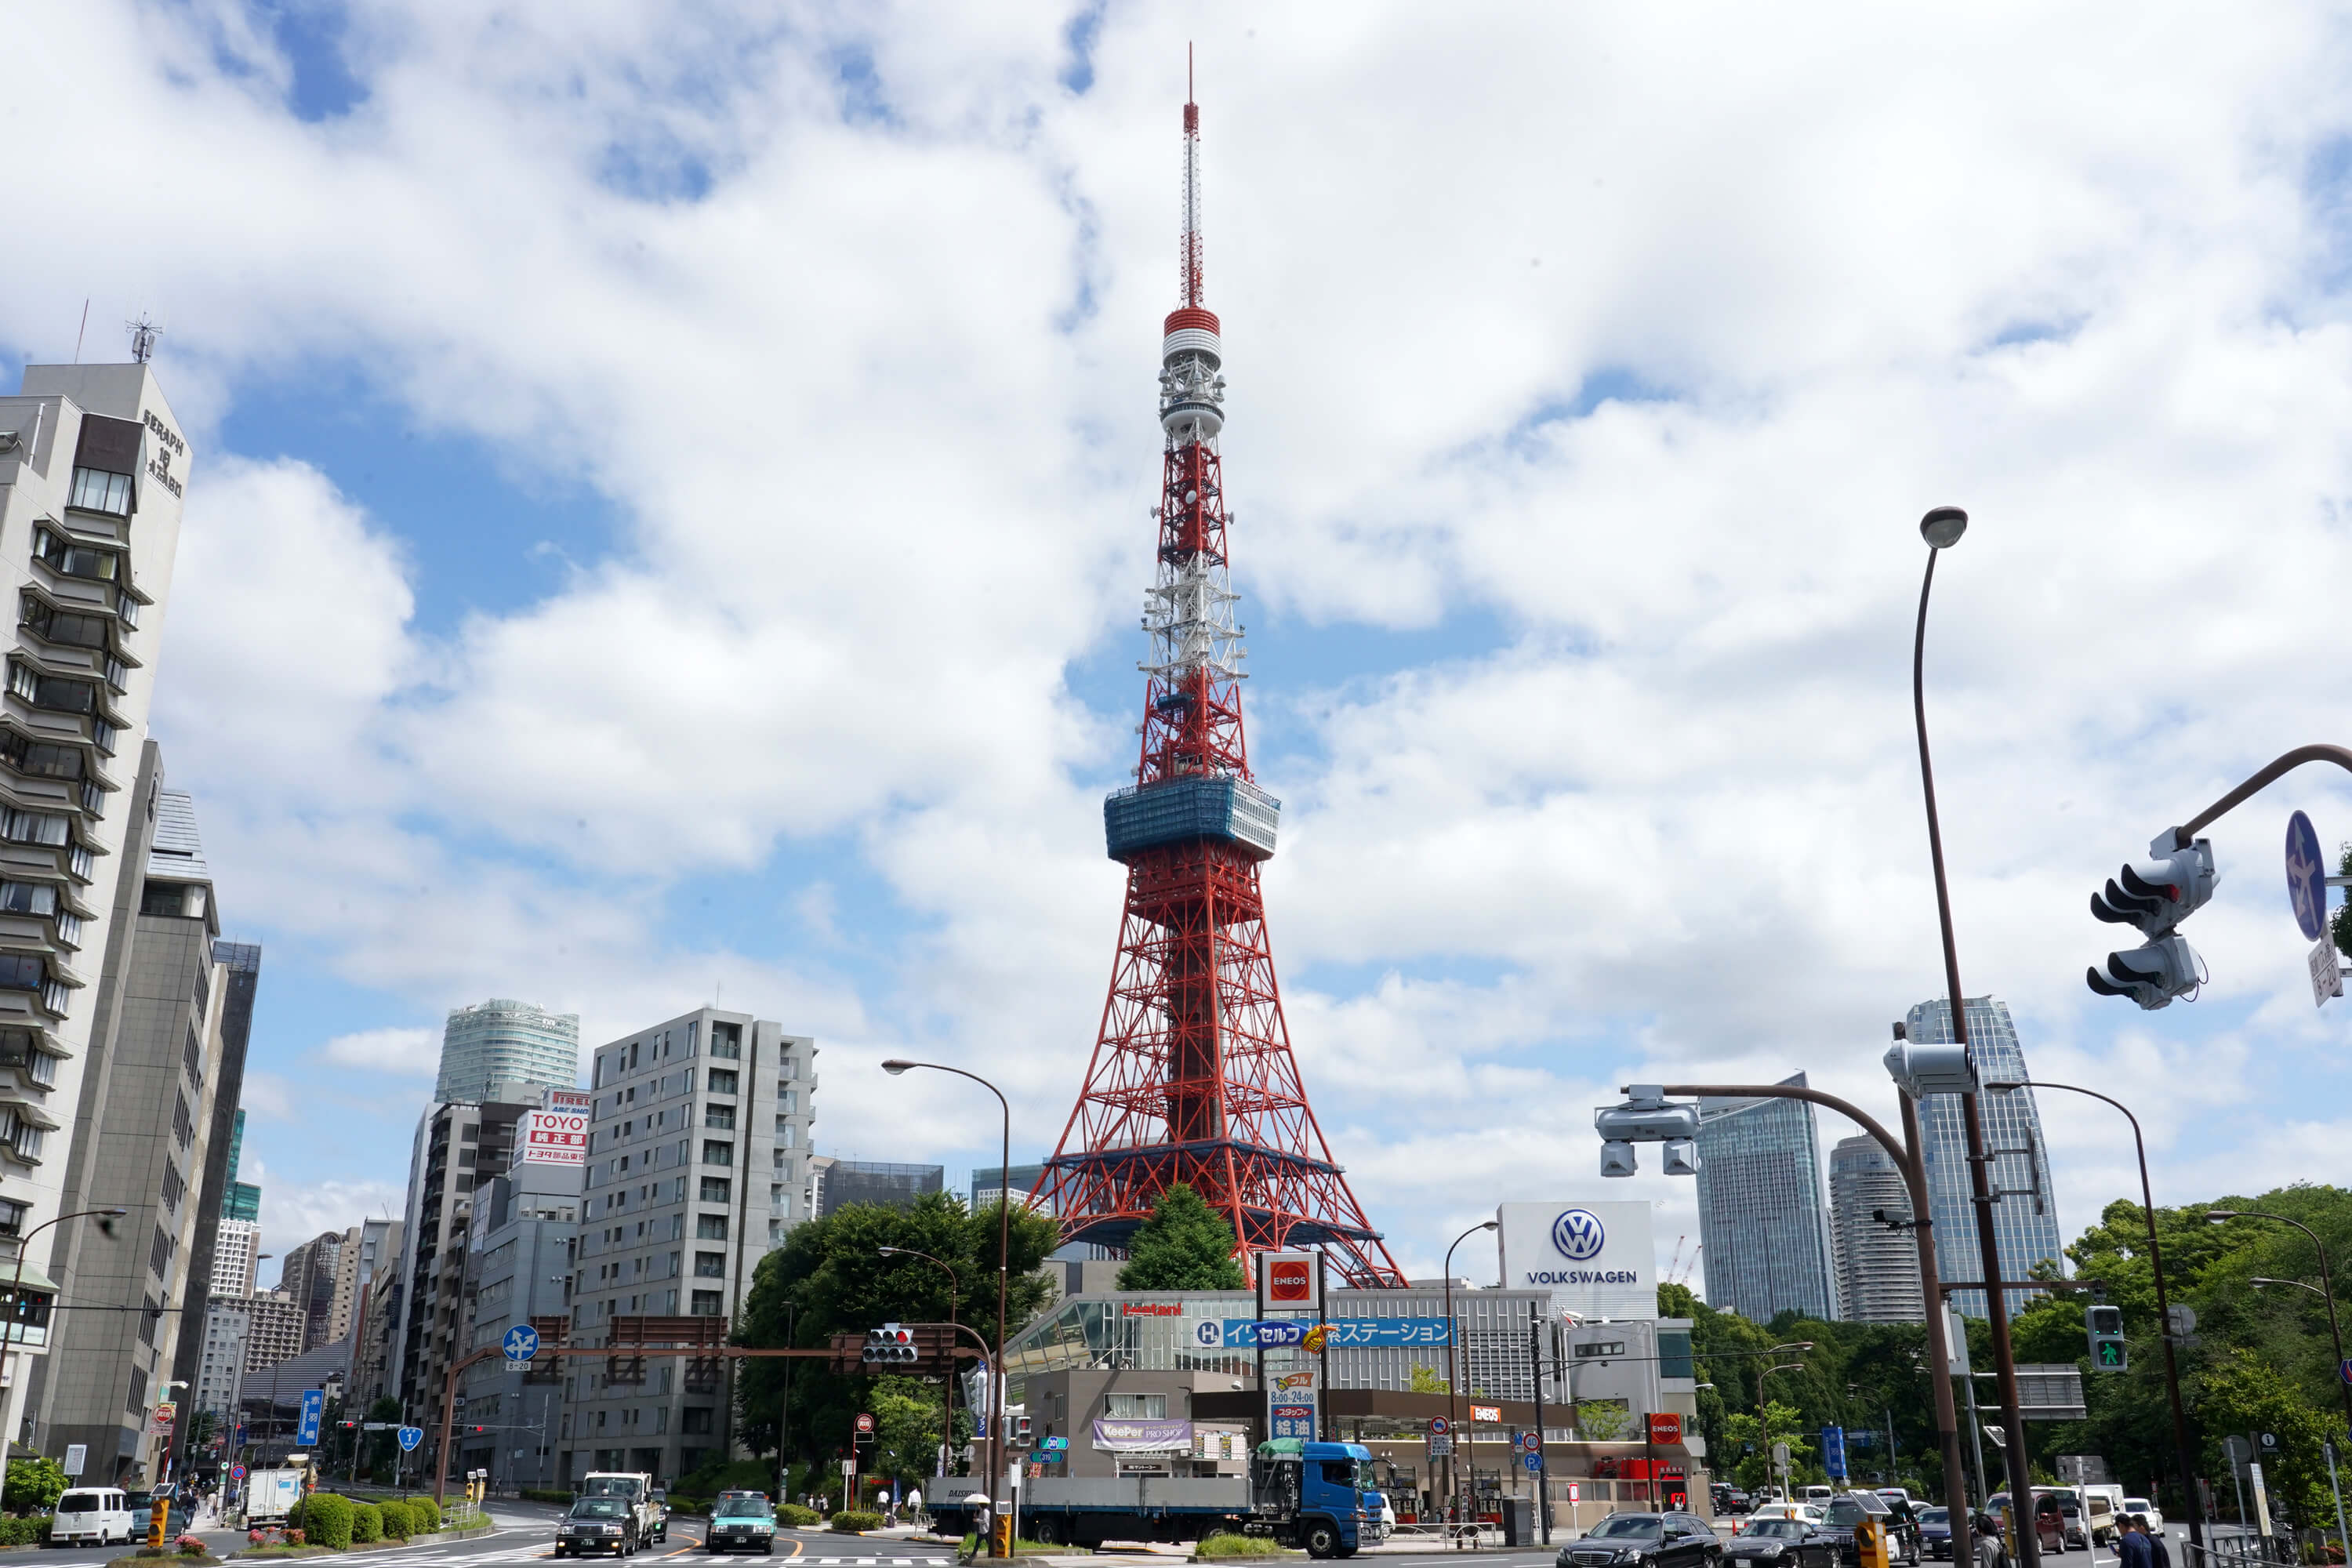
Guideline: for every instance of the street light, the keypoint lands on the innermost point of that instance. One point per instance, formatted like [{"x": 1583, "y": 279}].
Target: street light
[
  {"x": 895, "y": 1067},
  {"x": 1764, "y": 1410},
  {"x": 1454, "y": 1365},
  {"x": 1942, "y": 529},
  {"x": 15, "y": 1300},
  {"x": 947, "y": 1388},
  {"x": 2328, "y": 1279},
  {"x": 2181, "y": 1451},
  {"x": 2258, "y": 1280}
]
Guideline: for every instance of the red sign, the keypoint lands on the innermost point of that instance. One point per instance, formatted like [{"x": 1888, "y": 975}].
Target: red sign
[
  {"x": 1666, "y": 1429},
  {"x": 865, "y": 1423},
  {"x": 1490, "y": 1414},
  {"x": 555, "y": 1137},
  {"x": 1151, "y": 1308},
  {"x": 1289, "y": 1278}
]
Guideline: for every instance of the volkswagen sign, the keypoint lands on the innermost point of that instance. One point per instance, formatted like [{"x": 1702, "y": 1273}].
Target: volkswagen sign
[{"x": 1579, "y": 1236}]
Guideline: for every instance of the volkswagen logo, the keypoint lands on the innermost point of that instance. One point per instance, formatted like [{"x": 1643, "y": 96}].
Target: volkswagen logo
[{"x": 1578, "y": 1235}]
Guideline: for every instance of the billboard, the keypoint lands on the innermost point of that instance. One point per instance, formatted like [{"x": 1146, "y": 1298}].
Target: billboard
[
  {"x": 578, "y": 1099},
  {"x": 554, "y": 1137},
  {"x": 1597, "y": 1260},
  {"x": 1289, "y": 1278}
]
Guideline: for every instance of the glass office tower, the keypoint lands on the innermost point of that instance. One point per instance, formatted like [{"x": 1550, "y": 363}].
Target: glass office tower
[{"x": 1763, "y": 1220}]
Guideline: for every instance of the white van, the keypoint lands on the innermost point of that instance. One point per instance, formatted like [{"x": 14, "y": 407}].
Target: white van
[{"x": 99, "y": 1515}]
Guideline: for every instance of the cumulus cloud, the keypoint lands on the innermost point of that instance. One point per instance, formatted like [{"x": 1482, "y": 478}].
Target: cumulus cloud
[
  {"x": 1607, "y": 373},
  {"x": 415, "y": 1053}
]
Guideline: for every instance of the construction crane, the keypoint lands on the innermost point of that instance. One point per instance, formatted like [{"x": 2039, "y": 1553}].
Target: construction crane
[{"x": 1677, "y": 1271}]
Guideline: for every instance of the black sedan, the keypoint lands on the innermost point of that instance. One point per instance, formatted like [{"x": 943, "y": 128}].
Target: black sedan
[
  {"x": 1646, "y": 1541},
  {"x": 1783, "y": 1544},
  {"x": 1936, "y": 1531},
  {"x": 598, "y": 1524}
]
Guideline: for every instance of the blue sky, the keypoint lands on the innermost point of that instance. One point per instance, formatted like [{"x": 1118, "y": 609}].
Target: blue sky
[{"x": 670, "y": 510}]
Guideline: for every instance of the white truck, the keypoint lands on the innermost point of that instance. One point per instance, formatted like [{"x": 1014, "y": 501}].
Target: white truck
[
  {"x": 270, "y": 1495},
  {"x": 636, "y": 1488}
]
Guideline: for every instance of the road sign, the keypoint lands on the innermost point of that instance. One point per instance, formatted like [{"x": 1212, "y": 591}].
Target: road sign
[
  {"x": 1781, "y": 1455},
  {"x": 237, "y": 1472},
  {"x": 521, "y": 1343},
  {"x": 409, "y": 1438},
  {"x": 314, "y": 1407},
  {"x": 2181, "y": 1320},
  {"x": 1533, "y": 1461},
  {"x": 1833, "y": 1452},
  {"x": 76, "y": 1456},
  {"x": 1439, "y": 1446},
  {"x": 2266, "y": 1441},
  {"x": 1438, "y": 1426},
  {"x": 865, "y": 1423},
  {"x": 2307, "y": 877},
  {"x": 2326, "y": 972}
]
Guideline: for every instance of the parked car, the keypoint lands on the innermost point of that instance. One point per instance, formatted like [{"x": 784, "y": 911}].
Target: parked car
[
  {"x": 1936, "y": 1531},
  {"x": 1783, "y": 1544},
  {"x": 598, "y": 1524},
  {"x": 1729, "y": 1501},
  {"x": 741, "y": 1521},
  {"x": 1648, "y": 1540},
  {"x": 2146, "y": 1509},
  {"x": 2049, "y": 1519},
  {"x": 97, "y": 1514}
]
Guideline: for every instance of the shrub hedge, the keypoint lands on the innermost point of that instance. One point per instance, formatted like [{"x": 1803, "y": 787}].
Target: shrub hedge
[
  {"x": 327, "y": 1521},
  {"x": 427, "y": 1512},
  {"x": 294, "y": 1514},
  {"x": 792, "y": 1516},
  {"x": 397, "y": 1521},
  {"x": 31, "y": 1529},
  {"x": 367, "y": 1523},
  {"x": 852, "y": 1521}
]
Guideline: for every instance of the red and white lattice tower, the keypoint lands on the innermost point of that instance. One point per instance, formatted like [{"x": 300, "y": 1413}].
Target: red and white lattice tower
[{"x": 1193, "y": 1079}]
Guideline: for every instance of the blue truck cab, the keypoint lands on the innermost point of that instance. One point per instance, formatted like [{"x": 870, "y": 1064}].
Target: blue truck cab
[{"x": 1320, "y": 1496}]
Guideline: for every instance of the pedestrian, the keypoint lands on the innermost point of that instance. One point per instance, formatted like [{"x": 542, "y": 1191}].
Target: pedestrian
[
  {"x": 2131, "y": 1545},
  {"x": 2158, "y": 1550},
  {"x": 1991, "y": 1552}
]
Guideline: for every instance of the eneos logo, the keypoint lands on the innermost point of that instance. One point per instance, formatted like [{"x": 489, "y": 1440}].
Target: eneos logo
[
  {"x": 1578, "y": 1235},
  {"x": 1289, "y": 1279}
]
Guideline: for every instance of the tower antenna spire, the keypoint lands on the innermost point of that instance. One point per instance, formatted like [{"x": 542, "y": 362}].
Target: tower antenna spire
[{"x": 1189, "y": 290}]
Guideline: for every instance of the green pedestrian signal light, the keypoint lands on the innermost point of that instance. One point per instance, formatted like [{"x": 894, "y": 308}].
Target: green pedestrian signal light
[{"x": 2105, "y": 1326}]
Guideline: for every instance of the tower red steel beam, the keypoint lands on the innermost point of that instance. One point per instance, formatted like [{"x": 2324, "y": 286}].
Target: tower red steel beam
[{"x": 1193, "y": 1079}]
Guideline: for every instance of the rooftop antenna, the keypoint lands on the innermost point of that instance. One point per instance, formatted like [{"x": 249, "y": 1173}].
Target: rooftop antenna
[
  {"x": 84, "y": 332},
  {"x": 143, "y": 338},
  {"x": 1189, "y": 293}
]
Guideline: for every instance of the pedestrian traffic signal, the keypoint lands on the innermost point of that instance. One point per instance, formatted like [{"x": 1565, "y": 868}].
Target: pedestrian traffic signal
[
  {"x": 2151, "y": 974},
  {"x": 2155, "y": 895},
  {"x": 1023, "y": 1433},
  {"x": 2105, "y": 1328},
  {"x": 890, "y": 1346},
  {"x": 1647, "y": 1117}
]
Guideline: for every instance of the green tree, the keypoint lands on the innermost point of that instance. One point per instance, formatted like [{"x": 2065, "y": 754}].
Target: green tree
[
  {"x": 35, "y": 1484},
  {"x": 832, "y": 1277},
  {"x": 1185, "y": 1245},
  {"x": 1602, "y": 1420},
  {"x": 2246, "y": 1394},
  {"x": 1751, "y": 1454},
  {"x": 1426, "y": 1380}
]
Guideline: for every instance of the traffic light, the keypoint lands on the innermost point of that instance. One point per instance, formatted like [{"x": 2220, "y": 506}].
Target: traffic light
[
  {"x": 890, "y": 1346},
  {"x": 347, "y": 1426},
  {"x": 1023, "y": 1433},
  {"x": 2155, "y": 895},
  {"x": 470, "y": 1431},
  {"x": 1646, "y": 1117},
  {"x": 2105, "y": 1326}
]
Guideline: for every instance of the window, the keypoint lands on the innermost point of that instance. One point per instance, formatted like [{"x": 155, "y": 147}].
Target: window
[
  {"x": 173, "y": 1187},
  {"x": 136, "y": 1400},
  {"x": 788, "y": 1100},
  {"x": 715, "y": 1189},
  {"x": 710, "y": 1266},
  {"x": 183, "y": 1127},
  {"x": 716, "y": 1152},
  {"x": 722, "y": 1080},
  {"x": 192, "y": 1056},
  {"x": 28, "y": 897},
  {"x": 69, "y": 559},
  {"x": 789, "y": 1070},
  {"x": 52, "y": 625},
  {"x": 693, "y": 1420},
  {"x": 159, "y": 1256},
  {"x": 22, "y": 972},
  {"x": 37, "y": 760},
  {"x": 722, "y": 1117},
  {"x": 1136, "y": 1407},
  {"x": 1601, "y": 1348},
  {"x": 33, "y": 828},
  {"x": 727, "y": 1041},
  {"x": 710, "y": 1227},
  {"x": 95, "y": 489},
  {"x": 53, "y": 692}
]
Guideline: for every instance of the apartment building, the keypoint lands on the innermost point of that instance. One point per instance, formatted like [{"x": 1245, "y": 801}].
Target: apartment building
[
  {"x": 517, "y": 1270},
  {"x": 685, "y": 1191},
  {"x": 367, "y": 1248},
  {"x": 458, "y": 1148},
  {"x": 306, "y": 1277},
  {"x": 236, "y": 1257},
  {"x": 142, "y": 1135},
  {"x": 506, "y": 1041},
  {"x": 92, "y": 469}
]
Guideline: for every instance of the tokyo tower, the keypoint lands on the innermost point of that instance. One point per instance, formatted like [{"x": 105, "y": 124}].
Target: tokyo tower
[{"x": 1192, "y": 1079}]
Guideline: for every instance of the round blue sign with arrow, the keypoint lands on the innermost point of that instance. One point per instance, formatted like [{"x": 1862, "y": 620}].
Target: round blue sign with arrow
[
  {"x": 2307, "y": 877},
  {"x": 521, "y": 1343},
  {"x": 2344, "y": 1371},
  {"x": 409, "y": 1438}
]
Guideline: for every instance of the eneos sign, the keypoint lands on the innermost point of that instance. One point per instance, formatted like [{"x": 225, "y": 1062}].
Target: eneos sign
[{"x": 1290, "y": 1279}]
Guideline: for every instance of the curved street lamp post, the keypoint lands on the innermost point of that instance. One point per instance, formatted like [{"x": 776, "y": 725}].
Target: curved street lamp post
[
  {"x": 15, "y": 1293},
  {"x": 1004, "y": 1248},
  {"x": 1454, "y": 1366},
  {"x": 947, "y": 1389},
  {"x": 1942, "y": 528}
]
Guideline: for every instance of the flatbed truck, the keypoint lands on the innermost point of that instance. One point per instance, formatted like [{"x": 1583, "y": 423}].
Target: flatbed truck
[{"x": 1318, "y": 1495}]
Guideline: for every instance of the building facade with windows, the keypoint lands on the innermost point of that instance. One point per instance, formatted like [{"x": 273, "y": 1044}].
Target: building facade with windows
[
  {"x": 236, "y": 1257},
  {"x": 368, "y": 1247},
  {"x": 144, "y": 1130},
  {"x": 244, "y": 1200},
  {"x": 2025, "y": 1217},
  {"x": 791, "y": 1184},
  {"x": 686, "y": 1175},
  {"x": 1878, "y": 1267},
  {"x": 837, "y": 1184},
  {"x": 93, "y": 470},
  {"x": 459, "y": 1147},
  {"x": 518, "y": 1264},
  {"x": 502, "y": 1041},
  {"x": 1762, "y": 1219},
  {"x": 307, "y": 1276}
]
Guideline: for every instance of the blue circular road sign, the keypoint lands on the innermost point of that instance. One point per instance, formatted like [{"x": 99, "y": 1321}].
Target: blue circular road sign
[
  {"x": 2307, "y": 877},
  {"x": 409, "y": 1438},
  {"x": 521, "y": 1343}
]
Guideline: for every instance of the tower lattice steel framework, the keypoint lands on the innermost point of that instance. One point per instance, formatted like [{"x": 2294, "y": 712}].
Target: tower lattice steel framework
[{"x": 1193, "y": 1079}]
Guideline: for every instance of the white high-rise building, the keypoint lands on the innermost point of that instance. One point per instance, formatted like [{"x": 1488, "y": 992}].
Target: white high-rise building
[
  {"x": 502, "y": 1042},
  {"x": 1878, "y": 1266},
  {"x": 236, "y": 1256},
  {"x": 92, "y": 469}
]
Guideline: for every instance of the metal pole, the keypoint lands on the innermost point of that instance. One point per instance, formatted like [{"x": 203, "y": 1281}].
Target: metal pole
[
  {"x": 1454, "y": 1376},
  {"x": 1976, "y": 1435},
  {"x": 1938, "y": 1325},
  {"x": 2338, "y": 1492},
  {"x": 1543, "y": 1459},
  {"x": 2004, "y": 1358}
]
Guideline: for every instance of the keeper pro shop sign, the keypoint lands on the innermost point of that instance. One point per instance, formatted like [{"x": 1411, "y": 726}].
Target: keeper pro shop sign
[{"x": 555, "y": 1137}]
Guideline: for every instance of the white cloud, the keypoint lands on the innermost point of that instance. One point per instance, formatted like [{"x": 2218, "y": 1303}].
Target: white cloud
[
  {"x": 414, "y": 1053},
  {"x": 874, "y": 414}
]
